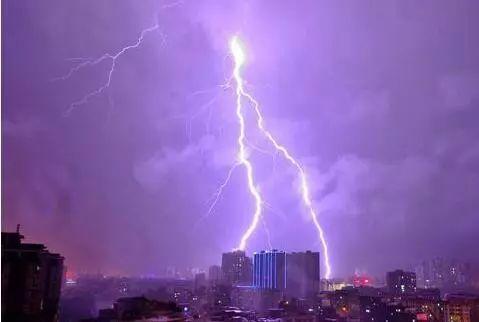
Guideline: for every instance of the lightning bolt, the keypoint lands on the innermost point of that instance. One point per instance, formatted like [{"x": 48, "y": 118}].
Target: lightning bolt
[
  {"x": 242, "y": 154},
  {"x": 239, "y": 59},
  {"x": 219, "y": 192},
  {"x": 267, "y": 232},
  {"x": 113, "y": 58}
]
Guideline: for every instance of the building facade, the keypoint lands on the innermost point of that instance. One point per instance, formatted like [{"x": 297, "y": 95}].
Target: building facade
[
  {"x": 461, "y": 308},
  {"x": 444, "y": 274},
  {"x": 303, "y": 274},
  {"x": 400, "y": 282},
  {"x": 31, "y": 280},
  {"x": 269, "y": 270},
  {"x": 214, "y": 274},
  {"x": 236, "y": 268}
]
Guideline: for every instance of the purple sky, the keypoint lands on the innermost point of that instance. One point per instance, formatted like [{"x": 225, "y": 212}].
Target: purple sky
[{"x": 379, "y": 100}]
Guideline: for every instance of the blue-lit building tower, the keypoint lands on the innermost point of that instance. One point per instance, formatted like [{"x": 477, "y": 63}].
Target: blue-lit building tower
[{"x": 269, "y": 270}]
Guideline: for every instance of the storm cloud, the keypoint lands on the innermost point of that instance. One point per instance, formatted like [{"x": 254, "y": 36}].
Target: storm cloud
[{"x": 379, "y": 100}]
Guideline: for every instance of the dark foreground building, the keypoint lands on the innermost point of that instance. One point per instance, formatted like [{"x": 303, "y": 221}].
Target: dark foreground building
[{"x": 31, "y": 280}]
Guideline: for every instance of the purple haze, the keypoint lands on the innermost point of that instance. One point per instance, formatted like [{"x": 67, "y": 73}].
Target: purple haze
[{"x": 378, "y": 99}]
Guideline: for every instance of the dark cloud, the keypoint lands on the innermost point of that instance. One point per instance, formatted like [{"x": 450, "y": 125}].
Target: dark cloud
[{"x": 379, "y": 101}]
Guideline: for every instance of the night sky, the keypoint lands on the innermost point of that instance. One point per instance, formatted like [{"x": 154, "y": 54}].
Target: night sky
[{"x": 379, "y": 100}]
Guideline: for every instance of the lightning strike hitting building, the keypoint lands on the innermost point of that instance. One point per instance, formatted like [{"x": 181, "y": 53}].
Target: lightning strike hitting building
[
  {"x": 239, "y": 59},
  {"x": 241, "y": 94}
]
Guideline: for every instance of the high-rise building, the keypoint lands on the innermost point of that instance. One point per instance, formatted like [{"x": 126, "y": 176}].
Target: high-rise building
[
  {"x": 236, "y": 268},
  {"x": 269, "y": 270},
  {"x": 200, "y": 282},
  {"x": 214, "y": 275},
  {"x": 400, "y": 282},
  {"x": 302, "y": 277},
  {"x": 31, "y": 280},
  {"x": 444, "y": 274}
]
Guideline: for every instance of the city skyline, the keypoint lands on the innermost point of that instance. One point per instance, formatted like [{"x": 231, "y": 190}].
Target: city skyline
[
  {"x": 117, "y": 134},
  {"x": 36, "y": 286}
]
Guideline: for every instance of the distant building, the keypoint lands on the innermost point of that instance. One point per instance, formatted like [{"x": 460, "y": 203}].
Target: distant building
[
  {"x": 444, "y": 274},
  {"x": 401, "y": 282},
  {"x": 269, "y": 270},
  {"x": 31, "y": 280},
  {"x": 333, "y": 284},
  {"x": 302, "y": 277},
  {"x": 245, "y": 297},
  {"x": 361, "y": 280},
  {"x": 297, "y": 273},
  {"x": 236, "y": 268},
  {"x": 214, "y": 275},
  {"x": 200, "y": 282},
  {"x": 219, "y": 295}
]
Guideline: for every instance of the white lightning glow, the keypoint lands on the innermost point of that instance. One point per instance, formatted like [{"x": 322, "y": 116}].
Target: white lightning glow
[
  {"x": 239, "y": 59},
  {"x": 86, "y": 62},
  {"x": 241, "y": 93},
  {"x": 105, "y": 57}
]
